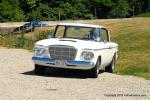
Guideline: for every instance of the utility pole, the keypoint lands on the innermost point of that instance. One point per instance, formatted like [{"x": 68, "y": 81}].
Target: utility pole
[
  {"x": 59, "y": 16},
  {"x": 133, "y": 8}
]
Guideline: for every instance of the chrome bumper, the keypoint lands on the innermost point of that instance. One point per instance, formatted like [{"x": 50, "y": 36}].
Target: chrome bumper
[{"x": 83, "y": 65}]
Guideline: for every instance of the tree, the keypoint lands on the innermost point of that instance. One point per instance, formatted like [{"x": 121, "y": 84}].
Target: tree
[
  {"x": 43, "y": 12},
  {"x": 27, "y": 10},
  {"x": 120, "y": 9},
  {"x": 31, "y": 3},
  {"x": 149, "y": 5},
  {"x": 136, "y": 6},
  {"x": 10, "y": 13},
  {"x": 100, "y": 8}
]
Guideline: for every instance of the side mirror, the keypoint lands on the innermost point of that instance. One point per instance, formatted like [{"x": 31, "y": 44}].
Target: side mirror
[
  {"x": 105, "y": 41},
  {"x": 51, "y": 35}
]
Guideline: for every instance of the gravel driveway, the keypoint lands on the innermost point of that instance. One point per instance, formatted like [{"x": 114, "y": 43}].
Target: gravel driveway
[{"x": 18, "y": 82}]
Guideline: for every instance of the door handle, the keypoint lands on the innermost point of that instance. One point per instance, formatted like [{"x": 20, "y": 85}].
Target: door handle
[{"x": 110, "y": 47}]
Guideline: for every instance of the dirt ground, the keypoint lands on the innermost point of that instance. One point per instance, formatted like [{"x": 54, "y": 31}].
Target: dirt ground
[{"x": 18, "y": 82}]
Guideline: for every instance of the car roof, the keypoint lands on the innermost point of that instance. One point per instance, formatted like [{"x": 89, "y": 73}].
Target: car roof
[{"x": 82, "y": 25}]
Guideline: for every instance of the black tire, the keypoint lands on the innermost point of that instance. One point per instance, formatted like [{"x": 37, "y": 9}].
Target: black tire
[
  {"x": 111, "y": 67},
  {"x": 39, "y": 69},
  {"x": 95, "y": 71}
]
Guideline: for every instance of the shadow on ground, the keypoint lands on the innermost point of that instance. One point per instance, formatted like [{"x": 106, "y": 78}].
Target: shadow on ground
[{"x": 61, "y": 73}]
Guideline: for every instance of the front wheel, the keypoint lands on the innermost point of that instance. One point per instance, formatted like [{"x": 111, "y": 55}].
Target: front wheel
[
  {"x": 111, "y": 67},
  {"x": 95, "y": 71},
  {"x": 39, "y": 69}
]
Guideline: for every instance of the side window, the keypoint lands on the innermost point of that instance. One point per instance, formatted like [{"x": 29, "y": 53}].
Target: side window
[
  {"x": 104, "y": 34},
  {"x": 60, "y": 32}
]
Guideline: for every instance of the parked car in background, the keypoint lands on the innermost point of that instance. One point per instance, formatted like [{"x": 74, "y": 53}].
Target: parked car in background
[
  {"x": 27, "y": 27},
  {"x": 77, "y": 46},
  {"x": 38, "y": 24}
]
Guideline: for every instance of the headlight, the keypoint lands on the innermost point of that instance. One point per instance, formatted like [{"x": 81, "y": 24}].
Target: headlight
[
  {"x": 40, "y": 51},
  {"x": 87, "y": 55}
]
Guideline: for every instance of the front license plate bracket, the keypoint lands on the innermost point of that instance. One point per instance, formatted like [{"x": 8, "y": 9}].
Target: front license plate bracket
[{"x": 60, "y": 62}]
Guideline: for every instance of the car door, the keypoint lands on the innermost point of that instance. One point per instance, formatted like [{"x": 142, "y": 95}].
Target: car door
[{"x": 107, "y": 47}]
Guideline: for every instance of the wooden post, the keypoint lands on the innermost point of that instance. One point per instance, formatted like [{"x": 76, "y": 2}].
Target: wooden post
[
  {"x": 59, "y": 16},
  {"x": 95, "y": 13},
  {"x": 148, "y": 5},
  {"x": 133, "y": 10}
]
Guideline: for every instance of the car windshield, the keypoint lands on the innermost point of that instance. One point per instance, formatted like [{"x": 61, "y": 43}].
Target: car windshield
[{"x": 77, "y": 32}]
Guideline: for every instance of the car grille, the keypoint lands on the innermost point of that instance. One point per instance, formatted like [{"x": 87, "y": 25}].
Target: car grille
[{"x": 62, "y": 52}]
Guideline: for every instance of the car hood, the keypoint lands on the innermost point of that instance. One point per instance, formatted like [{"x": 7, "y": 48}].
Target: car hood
[{"x": 80, "y": 44}]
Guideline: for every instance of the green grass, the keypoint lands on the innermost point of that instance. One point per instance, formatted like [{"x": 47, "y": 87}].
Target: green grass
[
  {"x": 146, "y": 14},
  {"x": 133, "y": 37},
  {"x": 134, "y": 48},
  {"x": 134, "y": 54}
]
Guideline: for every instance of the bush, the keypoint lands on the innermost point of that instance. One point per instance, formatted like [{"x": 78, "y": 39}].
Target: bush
[
  {"x": 24, "y": 43},
  {"x": 12, "y": 41},
  {"x": 9, "y": 41},
  {"x": 88, "y": 16},
  {"x": 42, "y": 35},
  {"x": 15, "y": 41},
  {"x": 1, "y": 40}
]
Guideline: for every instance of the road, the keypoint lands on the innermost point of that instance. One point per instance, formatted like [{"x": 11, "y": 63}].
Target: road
[{"x": 18, "y": 82}]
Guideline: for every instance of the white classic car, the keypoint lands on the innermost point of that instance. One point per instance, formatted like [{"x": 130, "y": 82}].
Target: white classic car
[{"x": 77, "y": 46}]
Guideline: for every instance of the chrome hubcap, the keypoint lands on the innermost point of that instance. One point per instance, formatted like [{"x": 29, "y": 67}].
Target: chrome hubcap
[
  {"x": 97, "y": 70},
  {"x": 113, "y": 64}
]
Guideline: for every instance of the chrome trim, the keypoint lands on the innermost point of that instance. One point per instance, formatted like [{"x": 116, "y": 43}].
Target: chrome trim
[
  {"x": 100, "y": 49},
  {"x": 80, "y": 63},
  {"x": 62, "y": 52},
  {"x": 45, "y": 60},
  {"x": 71, "y": 64}
]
